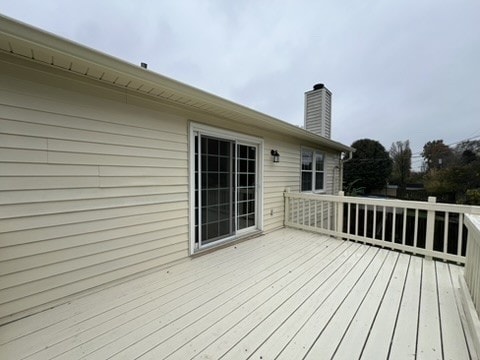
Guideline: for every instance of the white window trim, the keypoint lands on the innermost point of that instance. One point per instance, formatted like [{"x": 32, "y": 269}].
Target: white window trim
[
  {"x": 314, "y": 172},
  {"x": 229, "y": 135}
]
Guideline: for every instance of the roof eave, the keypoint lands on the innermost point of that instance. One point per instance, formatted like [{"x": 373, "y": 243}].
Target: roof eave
[{"x": 14, "y": 34}]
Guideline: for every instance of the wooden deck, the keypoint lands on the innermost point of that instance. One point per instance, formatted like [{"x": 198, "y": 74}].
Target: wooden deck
[{"x": 289, "y": 294}]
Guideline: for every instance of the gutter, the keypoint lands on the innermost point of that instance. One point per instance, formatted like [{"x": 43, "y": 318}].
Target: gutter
[{"x": 41, "y": 46}]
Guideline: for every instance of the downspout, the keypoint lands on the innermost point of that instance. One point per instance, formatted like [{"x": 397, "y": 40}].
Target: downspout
[{"x": 341, "y": 162}]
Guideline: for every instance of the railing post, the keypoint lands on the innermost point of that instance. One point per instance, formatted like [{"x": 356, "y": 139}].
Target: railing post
[
  {"x": 287, "y": 206},
  {"x": 430, "y": 227},
  {"x": 339, "y": 224}
]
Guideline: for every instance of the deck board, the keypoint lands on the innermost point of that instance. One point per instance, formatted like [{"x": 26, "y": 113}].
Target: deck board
[
  {"x": 455, "y": 273},
  {"x": 379, "y": 338},
  {"x": 327, "y": 341},
  {"x": 288, "y": 294},
  {"x": 348, "y": 275},
  {"x": 132, "y": 323},
  {"x": 453, "y": 338},
  {"x": 271, "y": 318},
  {"x": 267, "y": 289},
  {"x": 86, "y": 306},
  {"x": 355, "y": 337},
  {"x": 245, "y": 322},
  {"x": 284, "y": 334},
  {"x": 404, "y": 341},
  {"x": 429, "y": 341}
]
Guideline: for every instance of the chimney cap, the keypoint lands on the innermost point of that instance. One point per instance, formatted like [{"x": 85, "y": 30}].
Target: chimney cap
[{"x": 318, "y": 86}]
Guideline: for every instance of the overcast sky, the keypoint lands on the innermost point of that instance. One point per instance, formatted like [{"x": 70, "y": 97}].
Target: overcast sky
[{"x": 398, "y": 70}]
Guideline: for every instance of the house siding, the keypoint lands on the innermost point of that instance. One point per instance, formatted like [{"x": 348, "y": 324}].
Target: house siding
[
  {"x": 278, "y": 177},
  {"x": 332, "y": 168},
  {"x": 94, "y": 184},
  {"x": 84, "y": 180}
]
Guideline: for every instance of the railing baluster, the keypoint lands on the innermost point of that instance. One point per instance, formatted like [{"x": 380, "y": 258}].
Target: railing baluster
[
  {"x": 322, "y": 214},
  {"x": 348, "y": 218},
  {"x": 298, "y": 211},
  {"x": 384, "y": 216},
  {"x": 313, "y": 215},
  {"x": 460, "y": 234},
  {"x": 292, "y": 210},
  {"x": 356, "y": 219},
  {"x": 393, "y": 223},
  {"x": 365, "y": 214},
  {"x": 404, "y": 228},
  {"x": 288, "y": 210},
  {"x": 374, "y": 229},
  {"x": 328, "y": 217},
  {"x": 315, "y": 209},
  {"x": 335, "y": 216},
  {"x": 285, "y": 209},
  {"x": 309, "y": 212},
  {"x": 303, "y": 211},
  {"x": 415, "y": 231},
  {"x": 445, "y": 231}
]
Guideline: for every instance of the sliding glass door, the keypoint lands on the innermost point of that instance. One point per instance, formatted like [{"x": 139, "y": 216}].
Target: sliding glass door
[
  {"x": 246, "y": 185},
  {"x": 225, "y": 188},
  {"x": 214, "y": 174}
]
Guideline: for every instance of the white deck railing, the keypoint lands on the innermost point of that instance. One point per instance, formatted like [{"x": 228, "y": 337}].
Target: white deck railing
[
  {"x": 426, "y": 228},
  {"x": 470, "y": 284},
  {"x": 472, "y": 265}
]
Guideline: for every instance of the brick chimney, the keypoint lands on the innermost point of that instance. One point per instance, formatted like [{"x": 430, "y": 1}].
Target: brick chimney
[{"x": 318, "y": 114}]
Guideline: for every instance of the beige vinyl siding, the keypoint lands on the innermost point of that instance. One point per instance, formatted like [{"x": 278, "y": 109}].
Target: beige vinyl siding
[
  {"x": 92, "y": 189},
  {"x": 278, "y": 177},
  {"x": 332, "y": 171},
  {"x": 286, "y": 174},
  {"x": 94, "y": 184}
]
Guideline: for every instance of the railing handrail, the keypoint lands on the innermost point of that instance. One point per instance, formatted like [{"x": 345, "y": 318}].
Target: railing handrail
[
  {"x": 421, "y": 205},
  {"x": 427, "y": 228}
]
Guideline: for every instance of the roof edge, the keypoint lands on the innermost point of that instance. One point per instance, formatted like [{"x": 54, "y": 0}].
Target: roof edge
[{"x": 48, "y": 41}]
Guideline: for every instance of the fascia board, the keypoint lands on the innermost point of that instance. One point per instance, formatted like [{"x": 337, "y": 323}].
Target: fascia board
[{"x": 13, "y": 30}]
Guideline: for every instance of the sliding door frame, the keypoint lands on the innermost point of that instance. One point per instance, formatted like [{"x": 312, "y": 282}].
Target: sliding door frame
[{"x": 206, "y": 130}]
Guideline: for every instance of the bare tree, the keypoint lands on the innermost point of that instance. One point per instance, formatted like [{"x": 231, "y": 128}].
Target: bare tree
[{"x": 401, "y": 155}]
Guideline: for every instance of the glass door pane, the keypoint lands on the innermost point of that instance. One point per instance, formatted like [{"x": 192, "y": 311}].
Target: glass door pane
[
  {"x": 215, "y": 190},
  {"x": 225, "y": 188},
  {"x": 246, "y": 186}
]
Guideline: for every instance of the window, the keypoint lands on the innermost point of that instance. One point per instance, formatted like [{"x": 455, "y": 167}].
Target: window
[{"x": 313, "y": 170}]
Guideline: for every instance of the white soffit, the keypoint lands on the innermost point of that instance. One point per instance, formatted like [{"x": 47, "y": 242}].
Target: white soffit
[{"x": 42, "y": 47}]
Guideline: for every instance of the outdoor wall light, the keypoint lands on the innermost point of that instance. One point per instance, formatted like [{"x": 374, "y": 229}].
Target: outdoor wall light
[{"x": 276, "y": 156}]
